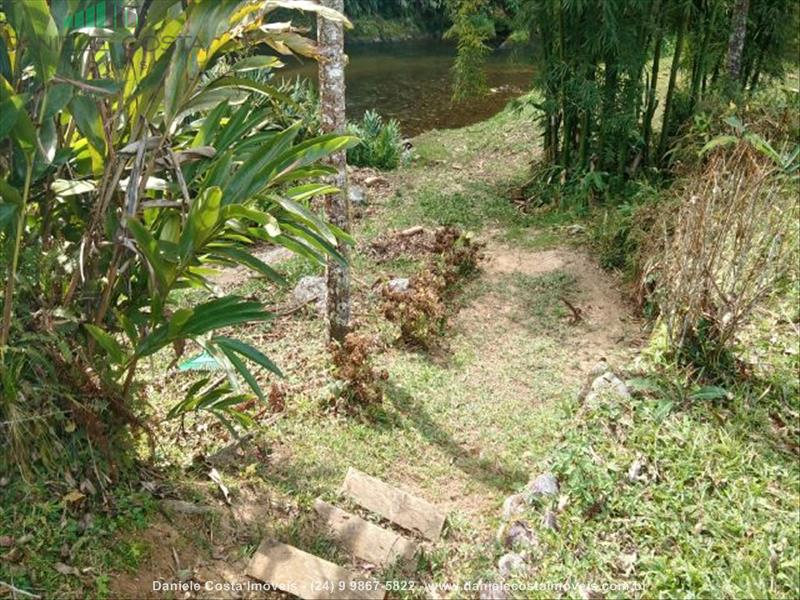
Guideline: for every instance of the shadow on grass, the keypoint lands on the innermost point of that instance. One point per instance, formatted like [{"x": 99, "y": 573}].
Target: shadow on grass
[{"x": 489, "y": 471}]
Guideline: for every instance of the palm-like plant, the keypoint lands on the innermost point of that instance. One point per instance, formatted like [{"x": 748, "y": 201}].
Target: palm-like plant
[{"x": 140, "y": 166}]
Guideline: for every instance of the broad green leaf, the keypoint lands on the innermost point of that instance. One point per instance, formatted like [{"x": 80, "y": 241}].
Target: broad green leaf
[
  {"x": 64, "y": 187},
  {"x": 254, "y": 63},
  {"x": 87, "y": 117},
  {"x": 239, "y": 365},
  {"x": 108, "y": 343},
  {"x": 148, "y": 246},
  {"x": 202, "y": 220},
  {"x": 252, "y": 262},
  {"x": 250, "y": 85},
  {"x": 709, "y": 392},
  {"x": 248, "y": 351},
  {"x": 35, "y": 26}
]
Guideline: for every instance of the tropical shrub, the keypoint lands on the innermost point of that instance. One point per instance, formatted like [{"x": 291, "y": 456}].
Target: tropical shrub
[
  {"x": 129, "y": 170},
  {"x": 381, "y": 144}
]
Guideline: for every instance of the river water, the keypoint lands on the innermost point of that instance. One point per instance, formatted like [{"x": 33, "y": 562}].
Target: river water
[{"x": 411, "y": 82}]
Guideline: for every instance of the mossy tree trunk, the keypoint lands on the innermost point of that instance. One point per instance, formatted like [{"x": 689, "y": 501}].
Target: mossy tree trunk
[{"x": 330, "y": 36}]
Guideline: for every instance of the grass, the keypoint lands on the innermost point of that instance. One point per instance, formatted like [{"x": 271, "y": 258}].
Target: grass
[
  {"x": 714, "y": 515},
  {"x": 48, "y": 529}
]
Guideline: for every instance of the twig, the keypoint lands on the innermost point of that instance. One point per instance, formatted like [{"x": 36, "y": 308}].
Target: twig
[
  {"x": 577, "y": 313},
  {"x": 16, "y": 590}
]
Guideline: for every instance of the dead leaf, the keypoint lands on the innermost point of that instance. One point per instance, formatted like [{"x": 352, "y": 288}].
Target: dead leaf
[
  {"x": 6, "y": 541},
  {"x": 73, "y": 496}
]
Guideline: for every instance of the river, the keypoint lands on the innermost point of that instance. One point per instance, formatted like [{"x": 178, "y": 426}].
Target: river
[{"x": 411, "y": 82}]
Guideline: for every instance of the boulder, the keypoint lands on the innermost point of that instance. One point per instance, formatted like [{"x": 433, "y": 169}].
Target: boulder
[
  {"x": 310, "y": 289},
  {"x": 542, "y": 486}
]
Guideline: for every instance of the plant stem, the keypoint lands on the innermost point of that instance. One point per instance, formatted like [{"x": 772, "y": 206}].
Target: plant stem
[{"x": 8, "y": 300}]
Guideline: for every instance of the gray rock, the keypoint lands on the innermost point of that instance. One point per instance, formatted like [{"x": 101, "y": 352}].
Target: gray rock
[
  {"x": 549, "y": 521},
  {"x": 398, "y": 284},
  {"x": 309, "y": 289},
  {"x": 357, "y": 195},
  {"x": 519, "y": 536},
  {"x": 605, "y": 384},
  {"x": 544, "y": 485},
  {"x": 510, "y": 563},
  {"x": 513, "y": 505},
  {"x": 492, "y": 591}
]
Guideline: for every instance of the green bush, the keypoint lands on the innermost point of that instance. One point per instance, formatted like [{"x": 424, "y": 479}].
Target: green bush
[{"x": 381, "y": 144}]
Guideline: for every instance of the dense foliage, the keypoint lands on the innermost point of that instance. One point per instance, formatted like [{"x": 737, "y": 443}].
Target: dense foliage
[
  {"x": 131, "y": 166},
  {"x": 600, "y": 64}
]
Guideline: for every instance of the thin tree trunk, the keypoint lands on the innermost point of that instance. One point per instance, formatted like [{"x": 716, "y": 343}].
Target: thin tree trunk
[
  {"x": 330, "y": 36},
  {"x": 673, "y": 76},
  {"x": 650, "y": 104},
  {"x": 736, "y": 41}
]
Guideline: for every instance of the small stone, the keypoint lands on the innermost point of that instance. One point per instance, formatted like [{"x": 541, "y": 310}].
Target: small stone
[
  {"x": 549, "y": 521},
  {"x": 519, "y": 536},
  {"x": 513, "y": 505},
  {"x": 398, "y": 284},
  {"x": 510, "y": 563},
  {"x": 608, "y": 383},
  {"x": 635, "y": 470},
  {"x": 357, "y": 195},
  {"x": 309, "y": 289}
]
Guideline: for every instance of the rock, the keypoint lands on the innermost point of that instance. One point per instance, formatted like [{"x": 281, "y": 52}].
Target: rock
[
  {"x": 513, "y": 505},
  {"x": 398, "y": 284},
  {"x": 309, "y": 289},
  {"x": 607, "y": 383},
  {"x": 544, "y": 485},
  {"x": 492, "y": 591},
  {"x": 519, "y": 536},
  {"x": 510, "y": 563},
  {"x": 635, "y": 470},
  {"x": 357, "y": 195},
  {"x": 549, "y": 521}
]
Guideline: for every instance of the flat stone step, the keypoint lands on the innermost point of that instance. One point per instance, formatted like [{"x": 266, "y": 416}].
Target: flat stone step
[
  {"x": 308, "y": 576},
  {"x": 407, "y": 511},
  {"x": 363, "y": 539}
]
